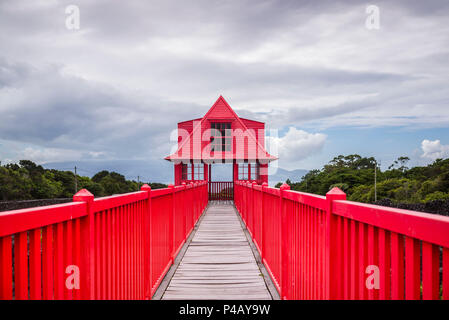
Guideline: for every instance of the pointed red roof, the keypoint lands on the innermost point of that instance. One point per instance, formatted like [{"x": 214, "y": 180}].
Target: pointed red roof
[{"x": 221, "y": 111}]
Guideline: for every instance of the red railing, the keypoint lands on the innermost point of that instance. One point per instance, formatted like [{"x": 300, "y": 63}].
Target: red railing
[
  {"x": 314, "y": 247},
  {"x": 221, "y": 190},
  {"x": 317, "y": 247},
  {"x": 118, "y": 247}
]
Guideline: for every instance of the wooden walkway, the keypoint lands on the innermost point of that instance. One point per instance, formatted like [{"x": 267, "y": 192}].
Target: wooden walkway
[{"x": 218, "y": 262}]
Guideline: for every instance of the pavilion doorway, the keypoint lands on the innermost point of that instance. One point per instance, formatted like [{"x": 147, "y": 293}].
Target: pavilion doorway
[{"x": 221, "y": 181}]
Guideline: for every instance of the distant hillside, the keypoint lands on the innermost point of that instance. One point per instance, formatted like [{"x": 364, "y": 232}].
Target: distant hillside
[
  {"x": 147, "y": 170},
  {"x": 161, "y": 170},
  {"x": 282, "y": 175}
]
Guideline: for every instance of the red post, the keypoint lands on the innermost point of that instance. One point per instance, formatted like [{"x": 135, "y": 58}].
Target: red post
[
  {"x": 189, "y": 204},
  {"x": 192, "y": 203},
  {"x": 333, "y": 263},
  {"x": 262, "y": 223},
  {"x": 172, "y": 223},
  {"x": 284, "y": 242},
  {"x": 248, "y": 203},
  {"x": 147, "y": 242},
  {"x": 195, "y": 201},
  {"x": 87, "y": 257},
  {"x": 253, "y": 213},
  {"x": 185, "y": 223}
]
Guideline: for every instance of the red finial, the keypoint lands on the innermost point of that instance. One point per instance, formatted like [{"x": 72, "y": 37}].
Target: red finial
[{"x": 285, "y": 187}]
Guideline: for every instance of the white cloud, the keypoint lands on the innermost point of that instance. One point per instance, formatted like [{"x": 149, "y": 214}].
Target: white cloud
[
  {"x": 294, "y": 146},
  {"x": 97, "y": 154},
  {"x": 44, "y": 155},
  {"x": 434, "y": 149}
]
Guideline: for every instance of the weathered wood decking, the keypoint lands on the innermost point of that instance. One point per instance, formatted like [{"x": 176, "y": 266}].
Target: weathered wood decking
[{"x": 218, "y": 262}]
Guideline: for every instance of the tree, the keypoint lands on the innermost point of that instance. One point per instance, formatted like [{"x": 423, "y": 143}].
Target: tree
[
  {"x": 400, "y": 163},
  {"x": 354, "y": 174},
  {"x": 27, "y": 180}
]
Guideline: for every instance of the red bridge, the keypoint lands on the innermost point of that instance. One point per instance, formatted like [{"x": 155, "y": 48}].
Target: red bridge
[{"x": 204, "y": 239}]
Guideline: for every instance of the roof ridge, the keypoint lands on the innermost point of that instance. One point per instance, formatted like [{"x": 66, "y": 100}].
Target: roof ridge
[{"x": 198, "y": 125}]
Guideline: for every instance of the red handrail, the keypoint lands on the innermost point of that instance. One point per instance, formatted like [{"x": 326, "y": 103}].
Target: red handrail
[
  {"x": 119, "y": 247},
  {"x": 317, "y": 247}
]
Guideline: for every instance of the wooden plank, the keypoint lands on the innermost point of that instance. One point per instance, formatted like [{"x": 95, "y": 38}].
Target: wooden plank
[
  {"x": 219, "y": 263},
  {"x": 219, "y": 296}
]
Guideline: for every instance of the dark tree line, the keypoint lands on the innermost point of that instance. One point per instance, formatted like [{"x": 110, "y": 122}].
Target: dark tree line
[
  {"x": 26, "y": 180},
  {"x": 355, "y": 175}
]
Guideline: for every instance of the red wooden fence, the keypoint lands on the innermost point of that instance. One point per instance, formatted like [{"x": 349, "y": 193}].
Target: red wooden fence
[
  {"x": 317, "y": 247},
  {"x": 314, "y": 247},
  {"x": 221, "y": 190},
  {"x": 123, "y": 245}
]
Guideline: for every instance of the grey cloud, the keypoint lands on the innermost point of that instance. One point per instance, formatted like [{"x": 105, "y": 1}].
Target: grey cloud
[
  {"x": 56, "y": 110},
  {"x": 114, "y": 87}
]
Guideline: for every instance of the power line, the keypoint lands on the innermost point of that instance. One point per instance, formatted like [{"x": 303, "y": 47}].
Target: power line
[{"x": 375, "y": 179}]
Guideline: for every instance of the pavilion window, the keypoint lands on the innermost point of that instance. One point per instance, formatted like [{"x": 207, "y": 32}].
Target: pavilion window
[
  {"x": 221, "y": 137},
  {"x": 186, "y": 172},
  {"x": 254, "y": 170},
  {"x": 243, "y": 171},
  {"x": 198, "y": 171}
]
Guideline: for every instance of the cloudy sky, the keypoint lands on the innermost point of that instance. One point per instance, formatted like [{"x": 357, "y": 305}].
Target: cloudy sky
[{"x": 313, "y": 70}]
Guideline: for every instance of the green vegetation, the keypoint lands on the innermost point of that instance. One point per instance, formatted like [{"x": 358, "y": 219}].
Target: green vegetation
[
  {"x": 355, "y": 175},
  {"x": 26, "y": 181}
]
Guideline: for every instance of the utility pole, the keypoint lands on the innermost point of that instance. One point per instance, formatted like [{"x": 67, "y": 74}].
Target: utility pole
[
  {"x": 375, "y": 180},
  {"x": 138, "y": 183},
  {"x": 76, "y": 182}
]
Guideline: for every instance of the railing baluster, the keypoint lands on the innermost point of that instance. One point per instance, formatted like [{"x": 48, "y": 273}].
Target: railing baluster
[
  {"x": 47, "y": 262},
  {"x": 109, "y": 252},
  {"x": 76, "y": 252},
  {"x": 431, "y": 272},
  {"x": 397, "y": 266},
  {"x": 445, "y": 273},
  {"x": 21, "y": 266},
  {"x": 59, "y": 262},
  {"x": 103, "y": 241},
  {"x": 35, "y": 264},
  {"x": 98, "y": 245},
  {"x": 346, "y": 260},
  {"x": 412, "y": 269},
  {"x": 384, "y": 264},
  {"x": 6, "y": 268},
  {"x": 68, "y": 237}
]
